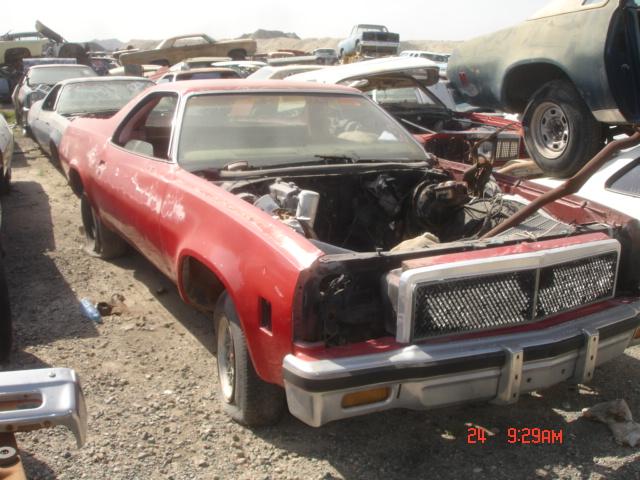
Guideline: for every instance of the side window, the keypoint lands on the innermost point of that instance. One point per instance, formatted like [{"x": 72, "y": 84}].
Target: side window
[
  {"x": 147, "y": 131},
  {"x": 627, "y": 180},
  {"x": 188, "y": 41},
  {"x": 50, "y": 101}
]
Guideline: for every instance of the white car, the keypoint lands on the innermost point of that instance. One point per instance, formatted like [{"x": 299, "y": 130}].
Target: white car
[
  {"x": 279, "y": 73},
  {"x": 616, "y": 185},
  {"x": 6, "y": 154},
  {"x": 49, "y": 117}
]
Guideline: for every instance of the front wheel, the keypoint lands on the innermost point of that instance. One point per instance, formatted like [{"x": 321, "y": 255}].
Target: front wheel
[
  {"x": 99, "y": 240},
  {"x": 561, "y": 133},
  {"x": 244, "y": 396}
]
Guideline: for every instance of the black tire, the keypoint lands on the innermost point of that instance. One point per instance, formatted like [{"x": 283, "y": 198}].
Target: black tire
[
  {"x": 561, "y": 133},
  {"x": 6, "y": 329},
  {"x": 247, "y": 400},
  {"x": 99, "y": 240},
  {"x": 5, "y": 179},
  {"x": 55, "y": 159}
]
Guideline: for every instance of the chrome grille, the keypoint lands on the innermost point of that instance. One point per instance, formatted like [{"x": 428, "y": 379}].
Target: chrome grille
[
  {"x": 483, "y": 302},
  {"x": 507, "y": 149},
  {"x": 570, "y": 285},
  {"x": 473, "y": 303}
]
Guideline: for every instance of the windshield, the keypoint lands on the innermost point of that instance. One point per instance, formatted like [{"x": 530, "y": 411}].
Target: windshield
[
  {"x": 278, "y": 129},
  {"x": 93, "y": 97},
  {"x": 53, "y": 75}
]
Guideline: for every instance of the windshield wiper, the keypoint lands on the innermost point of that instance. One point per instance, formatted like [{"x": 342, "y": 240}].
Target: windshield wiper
[
  {"x": 329, "y": 159},
  {"x": 415, "y": 125}
]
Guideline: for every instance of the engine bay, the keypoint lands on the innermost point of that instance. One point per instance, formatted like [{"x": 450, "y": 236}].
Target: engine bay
[{"x": 398, "y": 210}]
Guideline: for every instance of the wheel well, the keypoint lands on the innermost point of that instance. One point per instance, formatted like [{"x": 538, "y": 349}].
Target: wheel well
[
  {"x": 75, "y": 182},
  {"x": 201, "y": 286},
  {"x": 237, "y": 54},
  {"x": 13, "y": 54},
  {"x": 522, "y": 82}
]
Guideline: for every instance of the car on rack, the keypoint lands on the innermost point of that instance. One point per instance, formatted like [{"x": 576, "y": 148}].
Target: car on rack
[
  {"x": 572, "y": 71},
  {"x": 95, "y": 96},
  {"x": 37, "y": 82},
  {"x": 175, "y": 49},
  {"x": 368, "y": 41},
  {"x": 410, "y": 89},
  {"x": 345, "y": 270}
]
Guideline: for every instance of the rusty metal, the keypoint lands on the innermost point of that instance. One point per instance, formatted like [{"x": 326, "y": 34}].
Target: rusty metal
[
  {"x": 11, "y": 467},
  {"x": 569, "y": 187}
]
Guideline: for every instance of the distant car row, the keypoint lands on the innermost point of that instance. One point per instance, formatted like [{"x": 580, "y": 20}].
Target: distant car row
[{"x": 409, "y": 88}]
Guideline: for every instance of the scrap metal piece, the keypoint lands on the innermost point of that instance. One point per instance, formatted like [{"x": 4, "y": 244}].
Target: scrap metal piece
[{"x": 43, "y": 398}]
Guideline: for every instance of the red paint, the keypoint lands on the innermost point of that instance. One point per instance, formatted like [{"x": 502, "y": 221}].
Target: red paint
[
  {"x": 170, "y": 214},
  {"x": 388, "y": 344}
]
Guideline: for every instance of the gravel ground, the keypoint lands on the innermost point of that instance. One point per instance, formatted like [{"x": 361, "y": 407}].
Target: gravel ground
[{"x": 149, "y": 379}]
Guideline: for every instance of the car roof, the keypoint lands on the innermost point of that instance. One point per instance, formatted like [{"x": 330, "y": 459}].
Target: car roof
[
  {"x": 59, "y": 65},
  {"x": 340, "y": 73},
  {"x": 204, "y": 69},
  {"x": 238, "y": 84},
  {"x": 103, "y": 79}
]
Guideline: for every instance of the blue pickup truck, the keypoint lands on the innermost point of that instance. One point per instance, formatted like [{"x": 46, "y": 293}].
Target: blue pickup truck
[{"x": 368, "y": 41}]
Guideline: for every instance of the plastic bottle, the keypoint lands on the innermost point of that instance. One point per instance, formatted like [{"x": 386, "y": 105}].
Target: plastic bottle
[{"x": 90, "y": 311}]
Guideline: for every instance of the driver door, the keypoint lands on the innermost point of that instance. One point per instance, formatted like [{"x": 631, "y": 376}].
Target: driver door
[{"x": 132, "y": 176}]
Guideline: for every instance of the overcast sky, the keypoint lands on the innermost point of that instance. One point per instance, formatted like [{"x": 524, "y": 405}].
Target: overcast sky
[{"x": 82, "y": 20}]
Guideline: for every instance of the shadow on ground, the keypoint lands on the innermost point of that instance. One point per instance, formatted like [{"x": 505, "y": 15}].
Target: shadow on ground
[
  {"x": 41, "y": 299},
  {"x": 407, "y": 444}
]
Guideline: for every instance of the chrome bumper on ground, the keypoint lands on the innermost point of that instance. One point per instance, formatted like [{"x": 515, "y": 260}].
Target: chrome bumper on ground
[{"x": 496, "y": 369}]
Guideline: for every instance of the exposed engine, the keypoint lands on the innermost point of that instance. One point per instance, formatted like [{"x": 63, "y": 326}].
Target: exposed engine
[{"x": 398, "y": 210}]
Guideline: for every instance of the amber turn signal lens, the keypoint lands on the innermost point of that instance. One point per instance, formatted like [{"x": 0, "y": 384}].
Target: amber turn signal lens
[
  {"x": 637, "y": 334},
  {"x": 365, "y": 397}
]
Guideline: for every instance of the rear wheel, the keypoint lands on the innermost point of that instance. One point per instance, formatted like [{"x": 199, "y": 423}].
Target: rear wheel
[
  {"x": 245, "y": 397},
  {"x": 561, "y": 133},
  {"x": 99, "y": 240}
]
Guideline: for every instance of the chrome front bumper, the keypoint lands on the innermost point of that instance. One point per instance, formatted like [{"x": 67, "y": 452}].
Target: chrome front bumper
[
  {"x": 497, "y": 369},
  {"x": 43, "y": 398}
]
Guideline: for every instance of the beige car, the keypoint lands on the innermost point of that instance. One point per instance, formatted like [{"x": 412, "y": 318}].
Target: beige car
[
  {"x": 19, "y": 47},
  {"x": 173, "y": 50}
]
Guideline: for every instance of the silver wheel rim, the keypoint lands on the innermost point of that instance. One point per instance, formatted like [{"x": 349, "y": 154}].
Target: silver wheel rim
[
  {"x": 226, "y": 361},
  {"x": 550, "y": 129}
]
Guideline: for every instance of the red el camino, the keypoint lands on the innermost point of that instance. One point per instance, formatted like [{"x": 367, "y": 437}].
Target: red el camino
[{"x": 342, "y": 265}]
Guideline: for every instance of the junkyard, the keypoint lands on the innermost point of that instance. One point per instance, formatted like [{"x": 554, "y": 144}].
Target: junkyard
[{"x": 363, "y": 257}]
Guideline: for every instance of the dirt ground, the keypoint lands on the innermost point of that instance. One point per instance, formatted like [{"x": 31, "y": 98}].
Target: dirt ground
[{"x": 150, "y": 382}]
